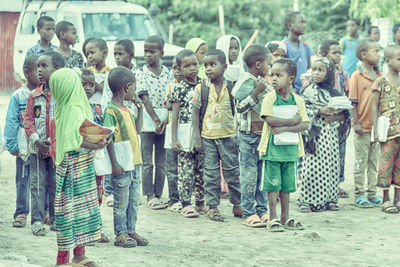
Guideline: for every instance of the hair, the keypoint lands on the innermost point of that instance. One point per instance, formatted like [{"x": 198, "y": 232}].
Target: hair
[
  {"x": 86, "y": 72},
  {"x": 100, "y": 43},
  {"x": 219, "y": 54},
  {"x": 42, "y": 20},
  {"x": 356, "y": 21},
  {"x": 182, "y": 54},
  {"x": 325, "y": 46},
  {"x": 396, "y": 28},
  {"x": 371, "y": 28},
  {"x": 290, "y": 17},
  {"x": 84, "y": 45},
  {"x": 127, "y": 44},
  {"x": 118, "y": 77},
  {"x": 290, "y": 65},
  {"x": 389, "y": 50},
  {"x": 156, "y": 39},
  {"x": 30, "y": 62},
  {"x": 362, "y": 46},
  {"x": 63, "y": 26},
  {"x": 56, "y": 59},
  {"x": 272, "y": 47},
  {"x": 255, "y": 53}
]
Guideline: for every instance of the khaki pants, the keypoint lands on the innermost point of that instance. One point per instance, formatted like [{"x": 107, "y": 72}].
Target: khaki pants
[{"x": 366, "y": 159}]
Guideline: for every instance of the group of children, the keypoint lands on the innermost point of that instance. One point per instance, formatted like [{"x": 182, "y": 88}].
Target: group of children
[{"x": 254, "y": 132}]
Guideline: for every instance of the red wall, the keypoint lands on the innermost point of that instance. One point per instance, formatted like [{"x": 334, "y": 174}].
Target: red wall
[{"x": 8, "y": 24}]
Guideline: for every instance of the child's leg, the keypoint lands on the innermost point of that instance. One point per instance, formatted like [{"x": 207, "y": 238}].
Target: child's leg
[
  {"x": 171, "y": 166},
  {"x": 99, "y": 183},
  {"x": 396, "y": 175},
  {"x": 133, "y": 205},
  {"x": 38, "y": 188},
  {"x": 159, "y": 155},
  {"x": 51, "y": 186},
  {"x": 185, "y": 177},
  {"x": 211, "y": 174},
  {"x": 121, "y": 200},
  {"x": 260, "y": 196},
  {"x": 361, "y": 150},
  {"x": 372, "y": 172},
  {"x": 147, "y": 143},
  {"x": 271, "y": 183},
  {"x": 386, "y": 167},
  {"x": 198, "y": 170},
  {"x": 22, "y": 182},
  {"x": 272, "y": 197},
  {"x": 342, "y": 156},
  {"x": 285, "y": 198}
]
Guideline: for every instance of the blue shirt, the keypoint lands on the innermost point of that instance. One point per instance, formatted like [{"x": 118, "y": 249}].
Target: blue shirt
[
  {"x": 349, "y": 45},
  {"x": 301, "y": 56},
  {"x": 38, "y": 49}
]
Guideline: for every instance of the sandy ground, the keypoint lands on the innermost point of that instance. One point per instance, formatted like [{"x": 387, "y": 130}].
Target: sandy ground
[{"x": 349, "y": 237}]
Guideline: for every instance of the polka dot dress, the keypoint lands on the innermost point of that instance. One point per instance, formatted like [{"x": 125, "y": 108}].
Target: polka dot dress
[{"x": 319, "y": 174}]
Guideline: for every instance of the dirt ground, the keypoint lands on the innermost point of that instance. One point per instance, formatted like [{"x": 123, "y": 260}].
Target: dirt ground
[{"x": 349, "y": 237}]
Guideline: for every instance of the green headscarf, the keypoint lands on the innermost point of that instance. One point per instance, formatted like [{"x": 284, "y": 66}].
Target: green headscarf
[
  {"x": 72, "y": 109},
  {"x": 194, "y": 44}
]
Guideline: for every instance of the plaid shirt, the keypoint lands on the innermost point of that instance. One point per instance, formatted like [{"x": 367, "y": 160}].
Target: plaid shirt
[{"x": 38, "y": 49}]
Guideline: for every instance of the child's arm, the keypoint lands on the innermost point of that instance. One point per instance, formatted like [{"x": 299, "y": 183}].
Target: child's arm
[
  {"x": 116, "y": 168},
  {"x": 92, "y": 146},
  {"x": 375, "y": 113},
  {"x": 139, "y": 121},
  {"x": 196, "y": 128},
  {"x": 354, "y": 96},
  {"x": 357, "y": 126},
  {"x": 300, "y": 127},
  {"x": 175, "y": 144},
  {"x": 280, "y": 122},
  {"x": 12, "y": 126},
  {"x": 250, "y": 101},
  {"x": 160, "y": 125},
  {"x": 168, "y": 105}
]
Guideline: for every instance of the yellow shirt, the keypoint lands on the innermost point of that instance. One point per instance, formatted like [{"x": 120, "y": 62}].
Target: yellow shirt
[
  {"x": 218, "y": 121},
  {"x": 266, "y": 110}
]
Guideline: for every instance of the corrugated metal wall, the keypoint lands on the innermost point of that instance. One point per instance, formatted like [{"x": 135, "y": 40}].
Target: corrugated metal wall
[{"x": 8, "y": 24}]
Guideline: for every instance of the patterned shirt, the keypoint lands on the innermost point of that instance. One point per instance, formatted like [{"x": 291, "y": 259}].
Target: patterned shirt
[
  {"x": 183, "y": 94},
  {"x": 38, "y": 49},
  {"x": 75, "y": 60}
]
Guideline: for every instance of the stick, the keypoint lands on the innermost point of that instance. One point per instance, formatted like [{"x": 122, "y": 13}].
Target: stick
[{"x": 250, "y": 42}]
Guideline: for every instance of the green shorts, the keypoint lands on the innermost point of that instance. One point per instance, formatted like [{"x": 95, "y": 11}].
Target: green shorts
[{"x": 278, "y": 176}]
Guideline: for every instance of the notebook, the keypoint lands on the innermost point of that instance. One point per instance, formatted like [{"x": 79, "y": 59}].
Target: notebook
[
  {"x": 185, "y": 136},
  {"x": 285, "y": 138}
]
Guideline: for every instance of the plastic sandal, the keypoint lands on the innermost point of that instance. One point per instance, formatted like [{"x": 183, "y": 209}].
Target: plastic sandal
[
  {"x": 189, "y": 212},
  {"x": 155, "y": 204},
  {"x": 292, "y": 224},
  {"x": 376, "y": 201},
  {"x": 254, "y": 221},
  {"x": 275, "y": 226},
  {"x": 19, "y": 221},
  {"x": 214, "y": 215},
  {"x": 389, "y": 208},
  {"x": 363, "y": 202},
  {"x": 125, "y": 241}
]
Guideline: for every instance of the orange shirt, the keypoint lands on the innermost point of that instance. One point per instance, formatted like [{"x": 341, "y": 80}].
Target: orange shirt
[{"x": 361, "y": 93}]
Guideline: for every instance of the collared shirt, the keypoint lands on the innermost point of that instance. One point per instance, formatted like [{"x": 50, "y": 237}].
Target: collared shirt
[
  {"x": 361, "y": 93},
  {"x": 38, "y": 49},
  {"x": 301, "y": 55}
]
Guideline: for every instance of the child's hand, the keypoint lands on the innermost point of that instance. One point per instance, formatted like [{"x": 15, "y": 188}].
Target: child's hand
[
  {"x": 160, "y": 128},
  {"x": 326, "y": 111},
  {"x": 16, "y": 153},
  {"x": 197, "y": 146},
  {"x": 278, "y": 130},
  {"x": 176, "y": 146},
  {"x": 259, "y": 87},
  {"x": 358, "y": 129},
  {"x": 137, "y": 102},
  {"x": 117, "y": 170},
  {"x": 376, "y": 136},
  {"x": 101, "y": 144},
  {"x": 43, "y": 148}
]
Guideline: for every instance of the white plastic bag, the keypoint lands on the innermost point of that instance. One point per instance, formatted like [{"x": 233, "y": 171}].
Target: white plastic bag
[{"x": 124, "y": 154}]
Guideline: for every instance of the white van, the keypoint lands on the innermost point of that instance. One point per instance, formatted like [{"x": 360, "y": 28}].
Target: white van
[{"x": 109, "y": 20}]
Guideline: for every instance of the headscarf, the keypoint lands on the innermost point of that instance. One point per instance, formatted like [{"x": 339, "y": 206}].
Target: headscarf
[
  {"x": 273, "y": 45},
  {"x": 329, "y": 82},
  {"x": 233, "y": 70},
  {"x": 194, "y": 44},
  {"x": 72, "y": 109}
]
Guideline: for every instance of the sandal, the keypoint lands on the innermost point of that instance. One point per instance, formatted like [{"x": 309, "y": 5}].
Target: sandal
[
  {"x": 201, "y": 209},
  {"x": 292, "y": 224},
  {"x": 176, "y": 207},
  {"x": 237, "y": 211},
  {"x": 125, "y": 241},
  {"x": 140, "y": 240},
  {"x": 265, "y": 218},
  {"x": 214, "y": 215},
  {"x": 304, "y": 208},
  {"x": 254, "y": 221},
  {"x": 87, "y": 262},
  {"x": 155, "y": 204},
  {"x": 332, "y": 206},
  {"x": 189, "y": 212},
  {"x": 38, "y": 229},
  {"x": 19, "y": 221},
  {"x": 104, "y": 239},
  {"x": 275, "y": 226},
  {"x": 343, "y": 194},
  {"x": 362, "y": 202},
  {"x": 376, "y": 201},
  {"x": 110, "y": 201},
  {"x": 163, "y": 200},
  {"x": 389, "y": 208}
]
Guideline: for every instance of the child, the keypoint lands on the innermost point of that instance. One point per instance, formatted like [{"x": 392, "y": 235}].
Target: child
[
  {"x": 45, "y": 27},
  {"x": 190, "y": 163},
  {"x": 230, "y": 45},
  {"x": 297, "y": 50},
  {"x": 214, "y": 133},
  {"x": 248, "y": 92},
  {"x": 151, "y": 87},
  {"x": 277, "y": 49},
  {"x": 322, "y": 141},
  {"x": 77, "y": 215},
  {"x": 87, "y": 64},
  {"x": 66, "y": 34},
  {"x": 349, "y": 44},
  {"x": 366, "y": 152},
  {"x": 331, "y": 50},
  {"x": 396, "y": 33},
  {"x": 385, "y": 99},
  {"x": 171, "y": 157},
  {"x": 279, "y": 161},
  {"x": 15, "y": 124},
  {"x": 40, "y": 109},
  {"x": 126, "y": 183},
  {"x": 200, "y": 48},
  {"x": 374, "y": 34}
]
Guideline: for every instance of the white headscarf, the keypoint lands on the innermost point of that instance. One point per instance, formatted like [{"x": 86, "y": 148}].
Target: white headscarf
[{"x": 233, "y": 70}]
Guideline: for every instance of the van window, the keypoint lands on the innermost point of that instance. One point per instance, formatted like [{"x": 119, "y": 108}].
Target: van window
[
  {"x": 28, "y": 24},
  {"x": 51, "y": 14},
  {"x": 116, "y": 26}
]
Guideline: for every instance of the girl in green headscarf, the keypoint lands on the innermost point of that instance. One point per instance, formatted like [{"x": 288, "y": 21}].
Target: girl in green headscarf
[
  {"x": 200, "y": 48},
  {"x": 77, "y": 216}
]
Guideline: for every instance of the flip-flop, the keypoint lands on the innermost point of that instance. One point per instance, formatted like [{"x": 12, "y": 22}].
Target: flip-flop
[
  {"x": 155, "y": 204},
  {"x": 376, "y": 201},
  {"x": 189, "y": 212},
  {"x": 275, "y": 226},
  {"x": 254, "y": 221},
  {"x": 389, "y": 208},
  {"x": 363, "y": 202},
  {"x": 292, "y": 224},
  {"x": 176, "y": 207}
]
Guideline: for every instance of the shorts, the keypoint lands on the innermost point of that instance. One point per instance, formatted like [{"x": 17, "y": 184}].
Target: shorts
[{"x": 278, "y": 176}]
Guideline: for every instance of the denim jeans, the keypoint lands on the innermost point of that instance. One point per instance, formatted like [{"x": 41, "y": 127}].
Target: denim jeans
[
  {"x": 250, "y": 176},
  {"x": 108, "y": 186},
  {"x": 23, "y": 184},
  {"x": 171, "y": 167},
  {"x": 126, "y": 202}
]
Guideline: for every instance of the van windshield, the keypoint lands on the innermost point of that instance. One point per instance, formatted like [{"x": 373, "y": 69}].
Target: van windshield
[{"x": 116, "y": 26}]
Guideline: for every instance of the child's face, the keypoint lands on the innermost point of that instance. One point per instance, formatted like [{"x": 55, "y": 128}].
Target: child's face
[
  {"x": 95, "y": 56},
  {"x": 394, "y": 61},
  {"x": 264, "y": 66},
  {"x": 45, "y": 68},
  {"x": 319, "y": 71},
  {"x": 396, "y": 36},
  {"x": 280, "y": 77},
  {"x": 375, "y": 34},
  {"x": 233, "y": 50},
  {"x": 351, "y": 27},
  {"x": 88, "y": 84},
  {"x": 373, "y": 54},
  {"x": 31, "y": 76},
  {"x": 200, "y": 53},
  {"x": 278, "y": 54},
  {"x": 70, "y": 36},
  {"x": 299, "y": 24},
  {"x": 214, "y": 68},
  {"x": 176, "y": 70},
  {"x": 335, "y": 54},
  {"x": 152, "y": 53},
  {"x": 130, "y": 91},
  {"x": 190, "y": 67},
  {"x": 122, "y": 58},
  {"x": 46, "y": 32}
]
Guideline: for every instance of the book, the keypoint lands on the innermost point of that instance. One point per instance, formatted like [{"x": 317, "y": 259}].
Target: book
[
  {"x": 185, "y": 136},
  {"x": 148, "y": 123},
  {"x": 285, "y": 138},
  {"x": 340, "y": 103},
  {"x": 382, "y": 126}
]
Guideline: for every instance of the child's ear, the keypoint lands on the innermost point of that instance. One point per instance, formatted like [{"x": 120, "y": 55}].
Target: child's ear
[
  {"x": 292, "y": 78},
  {"x": 258, "y": 64},
  {"x": 161, "y": 53},
  {"x": 105, "y": 52},
  {"x": 225, "y": 66},
  {"x": 26, "y": 72},
  {"x": 132, "y": 55}
]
